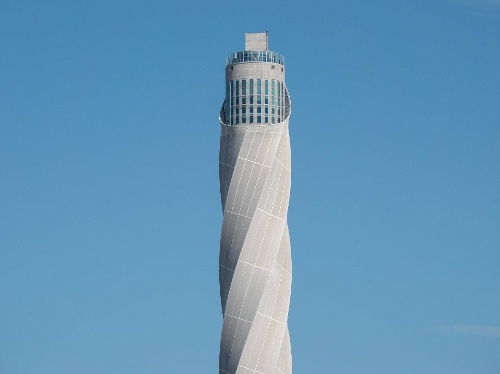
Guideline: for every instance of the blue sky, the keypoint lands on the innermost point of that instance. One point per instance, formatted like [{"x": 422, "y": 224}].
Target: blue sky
[{"x": 110, "y": 211}]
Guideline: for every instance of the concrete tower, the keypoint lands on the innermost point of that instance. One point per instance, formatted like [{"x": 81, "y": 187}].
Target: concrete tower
[{"x": 255, "y": 271}]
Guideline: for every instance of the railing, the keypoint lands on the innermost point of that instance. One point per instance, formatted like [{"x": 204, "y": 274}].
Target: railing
[{"x": 255, "y": 56}]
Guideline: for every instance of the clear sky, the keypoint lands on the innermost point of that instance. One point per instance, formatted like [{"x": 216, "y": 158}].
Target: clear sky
[{"x": 109, "y": 206}]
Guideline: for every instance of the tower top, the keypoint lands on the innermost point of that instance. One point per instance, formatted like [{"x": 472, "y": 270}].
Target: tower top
[
  {"x": 256, "y": 41},
  {"x": 256, "y": 50}
]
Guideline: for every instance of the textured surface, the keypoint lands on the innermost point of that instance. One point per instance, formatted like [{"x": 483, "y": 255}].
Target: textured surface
[{"x": 255, "y": 261}]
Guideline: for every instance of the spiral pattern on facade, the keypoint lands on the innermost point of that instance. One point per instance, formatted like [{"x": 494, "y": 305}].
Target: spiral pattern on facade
[{"x": 255, "y": 270}]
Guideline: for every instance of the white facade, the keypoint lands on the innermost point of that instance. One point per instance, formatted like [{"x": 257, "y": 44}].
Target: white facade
[{"x": 255, "y": 270}]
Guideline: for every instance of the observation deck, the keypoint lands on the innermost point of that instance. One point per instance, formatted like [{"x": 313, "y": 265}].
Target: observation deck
[{"x": 255, "y": 56}]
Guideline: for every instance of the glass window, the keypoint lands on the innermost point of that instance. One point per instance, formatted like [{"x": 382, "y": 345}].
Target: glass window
[
  {"x": 251, "y": 119},
  {"x": 258, "y": 87},
  {"x": 272, "y": 120},
  {"x": 237, "y": 88},
  {"x": 266, "y": 120},
  {"x": 251, "y": 86},
  {"x": 266, "y": 100},
  {"x": 251, "y": 99},
  {"x": 243, "y": 100},
  {"x": 244, "y": 110},
  {"x": 244, "y": 119},
  {"x": 231, "y": 92},
  {"x": 259, "y": 110},
  {"x": 266, "y": 110},
  {"x": 244, "y": 87},
  {"x": 259, "y": 119},
  {"x": 251, "y": 110},
  {"x": 259, "y": 99},
  {"x": 266, "y": 83}
]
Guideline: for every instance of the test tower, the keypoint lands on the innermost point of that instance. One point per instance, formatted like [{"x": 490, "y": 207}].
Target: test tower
[{"x": 255, "y": 268}]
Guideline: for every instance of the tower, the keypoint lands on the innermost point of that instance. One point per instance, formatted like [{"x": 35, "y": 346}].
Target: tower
[{"x": 255, "y": 268}]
